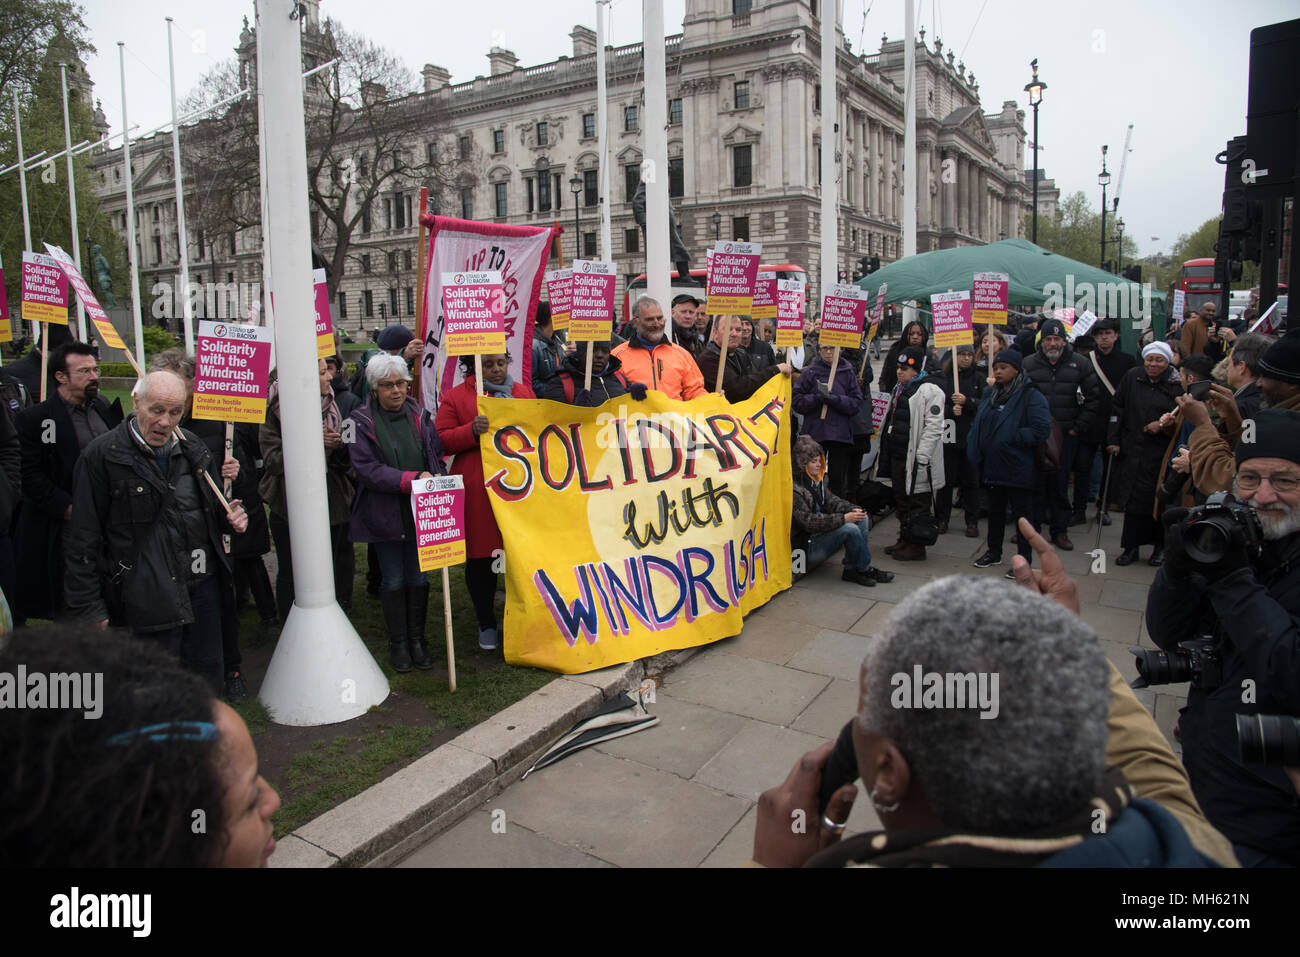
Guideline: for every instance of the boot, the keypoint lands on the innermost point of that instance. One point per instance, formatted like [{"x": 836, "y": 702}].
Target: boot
[
  {"x": 896, "y": 546},
  {"x": 909, "y": 553},
  {"x": 417, "y": 611},
  {"x": 394, "y": 605}
]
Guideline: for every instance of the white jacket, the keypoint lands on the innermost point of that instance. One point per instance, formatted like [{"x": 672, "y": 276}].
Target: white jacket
[{"x": 925, "y": 437}]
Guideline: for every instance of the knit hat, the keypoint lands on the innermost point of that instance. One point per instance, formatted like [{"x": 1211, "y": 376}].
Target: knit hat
[
  {"x": 1052, "y": 327},
  {"x": 394, "y": 337},
  {"x": 1282, "y": 360},
  {"x": 913, "y": 357},
  {"x": 1160, "y": 348},
  {"x": 965, "y": 347},
  {"x": 1277, "y": 436},
  {"x": 1011, "y": 357}
]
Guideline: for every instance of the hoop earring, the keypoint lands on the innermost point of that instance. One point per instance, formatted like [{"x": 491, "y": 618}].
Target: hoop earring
[{"x": 881, "y": 808}]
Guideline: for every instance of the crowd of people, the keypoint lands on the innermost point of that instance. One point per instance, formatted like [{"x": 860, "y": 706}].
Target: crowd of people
[{"x": 114, "y": 519}]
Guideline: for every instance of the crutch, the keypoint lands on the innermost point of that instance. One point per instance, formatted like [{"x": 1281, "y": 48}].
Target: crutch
[{"x": 1105, "y": 494}]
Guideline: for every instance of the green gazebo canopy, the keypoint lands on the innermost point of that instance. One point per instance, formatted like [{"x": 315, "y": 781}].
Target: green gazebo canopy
[{"x": 1039, "y": 279}]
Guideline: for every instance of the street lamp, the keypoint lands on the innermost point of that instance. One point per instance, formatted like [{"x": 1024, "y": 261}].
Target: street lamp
[
  {"x": 575, "y": 187},
  {"x": 1119, "y": 256},
  {"x": 717, "y": 225},
  {"x": 1104, "y": 179},
  {"x": 1035, "y": 88}
]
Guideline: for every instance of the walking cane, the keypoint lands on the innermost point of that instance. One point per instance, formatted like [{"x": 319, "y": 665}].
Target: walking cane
[{"x": 1105, "y": 493}]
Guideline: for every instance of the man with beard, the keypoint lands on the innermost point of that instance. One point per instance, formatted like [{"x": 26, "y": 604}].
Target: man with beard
[
  {"x": 1248, "y": 600},
  {"x": 1073, "y": 396},
  {"x": 52, "y": 435}
]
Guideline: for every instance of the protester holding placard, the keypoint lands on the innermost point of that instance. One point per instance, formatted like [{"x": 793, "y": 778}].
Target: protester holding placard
[
  {"x": 338, "y": 487},
  {"x": 51, "y": 444},
  {"x": 143, "y": 547},
  {"x": 459, "y": 426},
  {"x": 740, "y": 379},
  {"x": 649, "y": 358},
  {"x": 396, "y": 443},
  {"x": 961, "y": 408},
  {"x": 607, "y": 378},
  {"x": 834, "y": 433}
]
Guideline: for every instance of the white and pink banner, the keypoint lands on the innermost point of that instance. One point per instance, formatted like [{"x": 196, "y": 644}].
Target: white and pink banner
[{"x": 519, "y": 254}]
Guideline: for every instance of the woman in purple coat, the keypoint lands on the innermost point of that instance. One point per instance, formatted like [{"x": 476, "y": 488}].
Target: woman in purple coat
[
  {"x": 395, "y": 443},
  {"x": 834, "y": 433}
]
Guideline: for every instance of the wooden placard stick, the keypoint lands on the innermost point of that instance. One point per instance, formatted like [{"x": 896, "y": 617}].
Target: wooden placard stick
[
  {"x": 229, "y": 485},
  {"x": 45, "y": 356},
  {"x": 830, "y": 383},
  {"x": 586, "y": 379},
  {"x": 478, "y": 373},
  {"x": 446, "y": 620},
  {"x": 722, "y": 353}
]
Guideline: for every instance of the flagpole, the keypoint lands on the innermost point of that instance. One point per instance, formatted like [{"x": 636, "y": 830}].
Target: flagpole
[
  {"x": 655, "y": 168},
  {"x": 72, "y": 197},
  {"x": 132, "y": 253},
  {"x": 830, "y": 112},
  {"x": 602, "y": 127},
  {"x": 22, "y": 184},
  {"x": 259, "y": 93},
  {"x": 182, "y": 236},
  {"x": 321, "y": 672},
  {"x": 909, "y": 142}
]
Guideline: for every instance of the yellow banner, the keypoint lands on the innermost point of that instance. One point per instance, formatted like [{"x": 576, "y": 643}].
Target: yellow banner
[
  {"x": 637, "y": 527},
  {"x": 229, "y": 408}
]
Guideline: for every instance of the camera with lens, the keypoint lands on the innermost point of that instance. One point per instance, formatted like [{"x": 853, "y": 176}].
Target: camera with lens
[
  {"x": 1197, "y": 661},
  {"x": 1269, "y": 739},
  {"x": 1207, "y": 530}
]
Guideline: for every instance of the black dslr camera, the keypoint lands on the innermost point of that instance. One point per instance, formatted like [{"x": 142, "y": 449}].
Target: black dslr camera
[
  {"x": 1208, "y": 530},
  {"x": 1269, "y": 739},
  {"x": 1197, "y": 661}
]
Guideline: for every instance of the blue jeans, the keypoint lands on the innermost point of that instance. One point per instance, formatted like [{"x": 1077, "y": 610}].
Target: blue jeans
[
  {"x": 850, "y": 536},
  {"x": 399, "y": 566}
]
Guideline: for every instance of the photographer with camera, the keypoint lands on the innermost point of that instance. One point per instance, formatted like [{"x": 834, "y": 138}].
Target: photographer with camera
[{"x": 1232, "y": 570}]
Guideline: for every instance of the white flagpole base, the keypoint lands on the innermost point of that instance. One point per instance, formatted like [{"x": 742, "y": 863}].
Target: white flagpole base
[{"x": 319, "y": 649}]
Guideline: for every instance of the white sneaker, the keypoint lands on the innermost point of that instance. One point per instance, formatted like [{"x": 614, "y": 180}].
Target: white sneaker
[{"x": 487, "y": 639}]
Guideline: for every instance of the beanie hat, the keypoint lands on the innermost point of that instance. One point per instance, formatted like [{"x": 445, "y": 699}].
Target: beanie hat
[
  {"x": 1277, "y": 436},
  {"x": 913, "y": 357},
  {"x": 394, "y": 337},
  {"x": 1160, "y": 348},
  {"x": 1011, "y": 357},
  {"x": 965, "y": 347},
  {"x": 1052, "y": 327},
  {"x": 1282, "y": 360}
]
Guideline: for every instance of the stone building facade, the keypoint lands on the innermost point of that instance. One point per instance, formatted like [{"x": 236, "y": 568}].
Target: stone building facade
[{"x": 744, "y": 144}]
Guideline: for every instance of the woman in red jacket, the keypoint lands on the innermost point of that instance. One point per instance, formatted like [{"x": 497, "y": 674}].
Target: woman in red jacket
[{"x": 459, "y": 425}]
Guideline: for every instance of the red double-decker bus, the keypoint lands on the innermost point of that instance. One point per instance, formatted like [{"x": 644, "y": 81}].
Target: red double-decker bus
[{"x": 1197, "y": 282}]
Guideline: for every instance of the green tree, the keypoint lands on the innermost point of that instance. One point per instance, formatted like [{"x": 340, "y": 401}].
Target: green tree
[
  {"x": 1075, "y": 232},
  {"x": 34, "y": 39}
]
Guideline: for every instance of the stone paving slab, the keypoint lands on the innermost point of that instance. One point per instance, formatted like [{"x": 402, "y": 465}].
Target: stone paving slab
[
  {"x": 1113, "y": 624},
  {"x": 760, "y": 756},
  {"x": 835, "y": 653},
  {"x": 683, "y": 741},
  {"x": 869, "y": 625},
  {"x": 737, "y": 848},
  {"x": 621, "y": 811},
  {"x": 824, "y": 609},
  {"x": 1121, "y": 594},
  {"x": 755, "y": 689},
  {"x": 768, "y": 639},
  {"x": 834, "y": 706},
  {"x": 474, "y": 843}
]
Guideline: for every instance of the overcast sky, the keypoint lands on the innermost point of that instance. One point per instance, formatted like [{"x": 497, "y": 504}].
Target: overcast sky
[{"x": 1176, "y": 70}]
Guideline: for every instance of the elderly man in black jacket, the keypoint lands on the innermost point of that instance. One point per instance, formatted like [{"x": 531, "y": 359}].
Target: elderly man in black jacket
[
  {"x": 1110, "y": 362},
  {"x": 52, "y": 435},
  {"x": 1249, "y": 603},
  {"x": 1073, "y": 397},
  {"x": 143, "y": 547}
]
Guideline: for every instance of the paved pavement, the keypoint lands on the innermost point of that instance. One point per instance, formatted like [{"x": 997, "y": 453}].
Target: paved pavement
[{"x": 736, "y": 716}]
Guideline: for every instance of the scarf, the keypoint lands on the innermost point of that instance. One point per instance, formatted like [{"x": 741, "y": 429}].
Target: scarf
[
  {"x": 330, "y": 415},
  {"x": 1002, "y": 393},
  {"x": 502, "y": 391},
  {"x": 401, "y": 448}
]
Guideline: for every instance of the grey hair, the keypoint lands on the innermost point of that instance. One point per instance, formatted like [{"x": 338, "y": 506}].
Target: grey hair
[
  {"x": 646, "y": 300},
  {"x": 1041, "y": 759},
  {"x": 1249, "y": 348},
  {"x": 141, "y": 391},
  {"x": 381, "y": 366}
]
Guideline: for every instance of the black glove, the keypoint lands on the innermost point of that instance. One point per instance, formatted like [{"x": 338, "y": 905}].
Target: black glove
[
  {"x": 583, "y": 398},
  {"x": 1177, "y": 564},
  {"x": 637, "y": 391}
]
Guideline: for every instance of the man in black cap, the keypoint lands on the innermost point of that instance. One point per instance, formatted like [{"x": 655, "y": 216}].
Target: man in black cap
[
  {"x": 1248, "y": 599},
  {"x": 1109, "y": 362},
  {"x": 684, "y": 332},
  {"x": 1073, "y": 397}
]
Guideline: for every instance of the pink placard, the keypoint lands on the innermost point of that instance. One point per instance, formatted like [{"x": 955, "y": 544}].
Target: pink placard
[
  {"x": 232, "y": 363},
  {"x": 591, "y": 314},
  {"x": 877, "y": 311},
  {"x": 107, "y": 333},
  {"x": 989, "y": 294},
  {"x": 732, "y": 278},
  {"x": 844, "y": 313},
  {"x": 438, "y": 504},
  {"x": 473, "y": 316},
  {"x": 44, "y": 290},
  {"x": 789, "y": 313},
  {"x": 765, "y": 296},
  {"x": 952, "y": 318},
  {"x": 559, "y": 293},
  {"x": 879, "y": 408},
  {"x": 324, "y": 324}
]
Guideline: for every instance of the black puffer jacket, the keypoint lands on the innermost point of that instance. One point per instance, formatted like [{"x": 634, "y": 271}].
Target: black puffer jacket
[
  {"x": 1064, "y": 383},
  {"x": 128, "y": 545},
  {"x": 1139, "y": 402}
]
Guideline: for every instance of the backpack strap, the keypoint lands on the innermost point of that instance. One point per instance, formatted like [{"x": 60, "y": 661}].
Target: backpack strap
[{"x": 566, "y": 383}]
